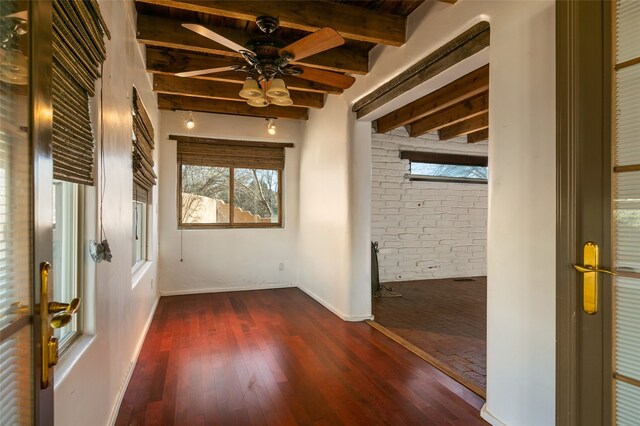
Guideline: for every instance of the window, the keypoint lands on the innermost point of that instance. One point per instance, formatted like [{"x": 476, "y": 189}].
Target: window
[
  {"x": 144, "y": 178},
  {"x": 229, "y": 184},
  {"x": 140, "y": 220},
  {"x": 446, "y": 167},
  {"x": 67, "y": 199}
]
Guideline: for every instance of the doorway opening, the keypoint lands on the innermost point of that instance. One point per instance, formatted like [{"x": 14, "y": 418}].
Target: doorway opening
[
  {"x": 431, "y": 234},
  {"x": 429, "y": 220}
]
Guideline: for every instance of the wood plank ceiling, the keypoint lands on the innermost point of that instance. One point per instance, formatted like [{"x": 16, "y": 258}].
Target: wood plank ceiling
[
  {"x": 171, "y": 48},
  {"x": 460, "y": 108}
]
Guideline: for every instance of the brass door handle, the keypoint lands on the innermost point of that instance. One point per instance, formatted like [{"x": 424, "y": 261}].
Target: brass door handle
[
  {"x": 588, "y": 268},
  {"x": 70, "y": 308},
  {"x": 62, "y": 315},
  {"x": 590, "y": 278},
  {"x": 63, "y": 312}
]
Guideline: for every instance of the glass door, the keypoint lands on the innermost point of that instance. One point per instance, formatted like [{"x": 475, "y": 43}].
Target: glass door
[
  {"x": 16, "y": 304},
  {"x": 626, "y": 226}
]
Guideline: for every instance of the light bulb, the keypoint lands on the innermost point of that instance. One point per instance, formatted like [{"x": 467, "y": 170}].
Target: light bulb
[
  {"x": 271, "y": 126},
  {"x": 188, "y": 122}
]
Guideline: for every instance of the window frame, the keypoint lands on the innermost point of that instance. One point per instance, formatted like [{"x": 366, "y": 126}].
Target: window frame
[
  {"x": 444, "y": 159},
  {"x": 231, "y": 224},
  {"x": 146, "y": 222},
  {"x": 78, "y": 238}
]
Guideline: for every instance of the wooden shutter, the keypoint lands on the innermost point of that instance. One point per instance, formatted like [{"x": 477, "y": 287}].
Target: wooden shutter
[
  {"x": 78, "y": 52},
  {"x": 230, "y": 153},
  {"x": 143, "y": 175}
]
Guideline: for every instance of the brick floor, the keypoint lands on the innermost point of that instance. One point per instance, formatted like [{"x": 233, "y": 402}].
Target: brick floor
[{"x": 445, "y": 318}]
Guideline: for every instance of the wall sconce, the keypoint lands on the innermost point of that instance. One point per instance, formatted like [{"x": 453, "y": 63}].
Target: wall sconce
[
  {"x": 188, "y": 121},
  {"x": 271, "y": 126}
]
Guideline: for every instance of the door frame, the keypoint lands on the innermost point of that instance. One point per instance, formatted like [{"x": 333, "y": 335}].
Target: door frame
[
  {"x": 583, "y": 146},
  {"x": 41, "y": 130}
]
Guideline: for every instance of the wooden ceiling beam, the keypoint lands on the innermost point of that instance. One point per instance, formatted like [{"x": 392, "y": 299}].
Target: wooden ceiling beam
[
  {"x": 479, "y": 136},
  {"x": 186, "y": 103},
  {"x": 467, "y": 44},
  {"x": 471, "y": 125},
  {"x": 351, "y": 22},
  {"x": 169, "y": 33},
  {"x": 161, "y": 61},
  {"x": 463, "y": 88},
  {"x": 172, "y": 85},
  {"x": 459, "y": 112}
]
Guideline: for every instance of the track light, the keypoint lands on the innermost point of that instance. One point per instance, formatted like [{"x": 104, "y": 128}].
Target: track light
[
  {"x": 271, "y": 126},
  {"x": 188, "y": 121}
]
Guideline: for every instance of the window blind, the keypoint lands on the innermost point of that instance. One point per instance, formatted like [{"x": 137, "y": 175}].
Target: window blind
[
  {"x": 143, "y": 175},
  {"x": 230, "y": 153},
  {"x": 78, "y": 52}
]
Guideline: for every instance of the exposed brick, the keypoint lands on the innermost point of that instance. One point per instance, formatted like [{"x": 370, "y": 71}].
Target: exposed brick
[{"x": 435, "y": 229}]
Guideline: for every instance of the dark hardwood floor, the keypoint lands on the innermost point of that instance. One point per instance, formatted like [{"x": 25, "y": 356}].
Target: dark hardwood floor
[
  {"x": 445, "y": 318},
  {"x": 278, "y": 357}
]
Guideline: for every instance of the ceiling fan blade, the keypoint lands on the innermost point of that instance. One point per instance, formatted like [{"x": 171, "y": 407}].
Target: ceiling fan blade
[
  {"x": 326, "y": 77},
  {"x": 206, "y": 32},
  {"x": 324, "y": 39},
  {"x": 203, "y": 72}
]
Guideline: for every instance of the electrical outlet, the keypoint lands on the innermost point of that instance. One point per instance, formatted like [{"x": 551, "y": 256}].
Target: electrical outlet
[
  {"x": 281, "y": 266},
  {"x": 151, "y": 283}
]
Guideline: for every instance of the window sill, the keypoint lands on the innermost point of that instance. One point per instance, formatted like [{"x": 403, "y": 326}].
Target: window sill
[
  {"x": 444, "y": 179},
  {"x": 71, "y": 357},
  {"x": 138, "y": 271},
  {"x": 227, "y": 226}
]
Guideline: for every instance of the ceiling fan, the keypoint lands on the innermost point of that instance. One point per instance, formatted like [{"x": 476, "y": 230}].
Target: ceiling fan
[{"x": 269, "y": 58}]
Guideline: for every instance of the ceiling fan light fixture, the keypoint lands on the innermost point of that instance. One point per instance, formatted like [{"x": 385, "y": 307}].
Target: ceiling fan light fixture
[
  {"x": 282, "y": 101},
  {"x": 251, "y": 90},
  {"x": 277, "y": 89},
  {"x": 258, "y": 102}
]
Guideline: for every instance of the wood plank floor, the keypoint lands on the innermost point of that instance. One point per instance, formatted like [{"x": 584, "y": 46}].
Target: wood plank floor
[
  {"x": 278, "y": 357},
  {"x": 445, "y": 318}
]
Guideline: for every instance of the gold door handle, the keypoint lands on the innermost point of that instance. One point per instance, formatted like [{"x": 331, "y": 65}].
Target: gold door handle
[
  {"x": 590, "y": 282},
  {"x": 62, "y": 315},
  {"x": 63, "y": 312},
  {"x": 70, "y": 308},
  {"x": 588, "y": 268}
]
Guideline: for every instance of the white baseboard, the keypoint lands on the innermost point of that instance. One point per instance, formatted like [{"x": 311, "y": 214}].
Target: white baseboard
[
  {"x": 333, "y": 309},
  {"x": 132, "y": 365},
  {"x": 485, "y": 414},
  {"x": 223, "y": 289}
]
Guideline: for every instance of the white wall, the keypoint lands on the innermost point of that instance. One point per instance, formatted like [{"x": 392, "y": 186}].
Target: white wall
[
  {"x": 327, "y": 209},
  {"x": 521, "y": 229},
  {"x": 226, "y": 259},
  {"x": 425, "y": 229},
  {"x": 89, "y": 381}
]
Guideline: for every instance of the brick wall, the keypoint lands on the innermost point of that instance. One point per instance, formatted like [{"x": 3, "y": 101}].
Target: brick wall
[{"x": 425, "y": 229}]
